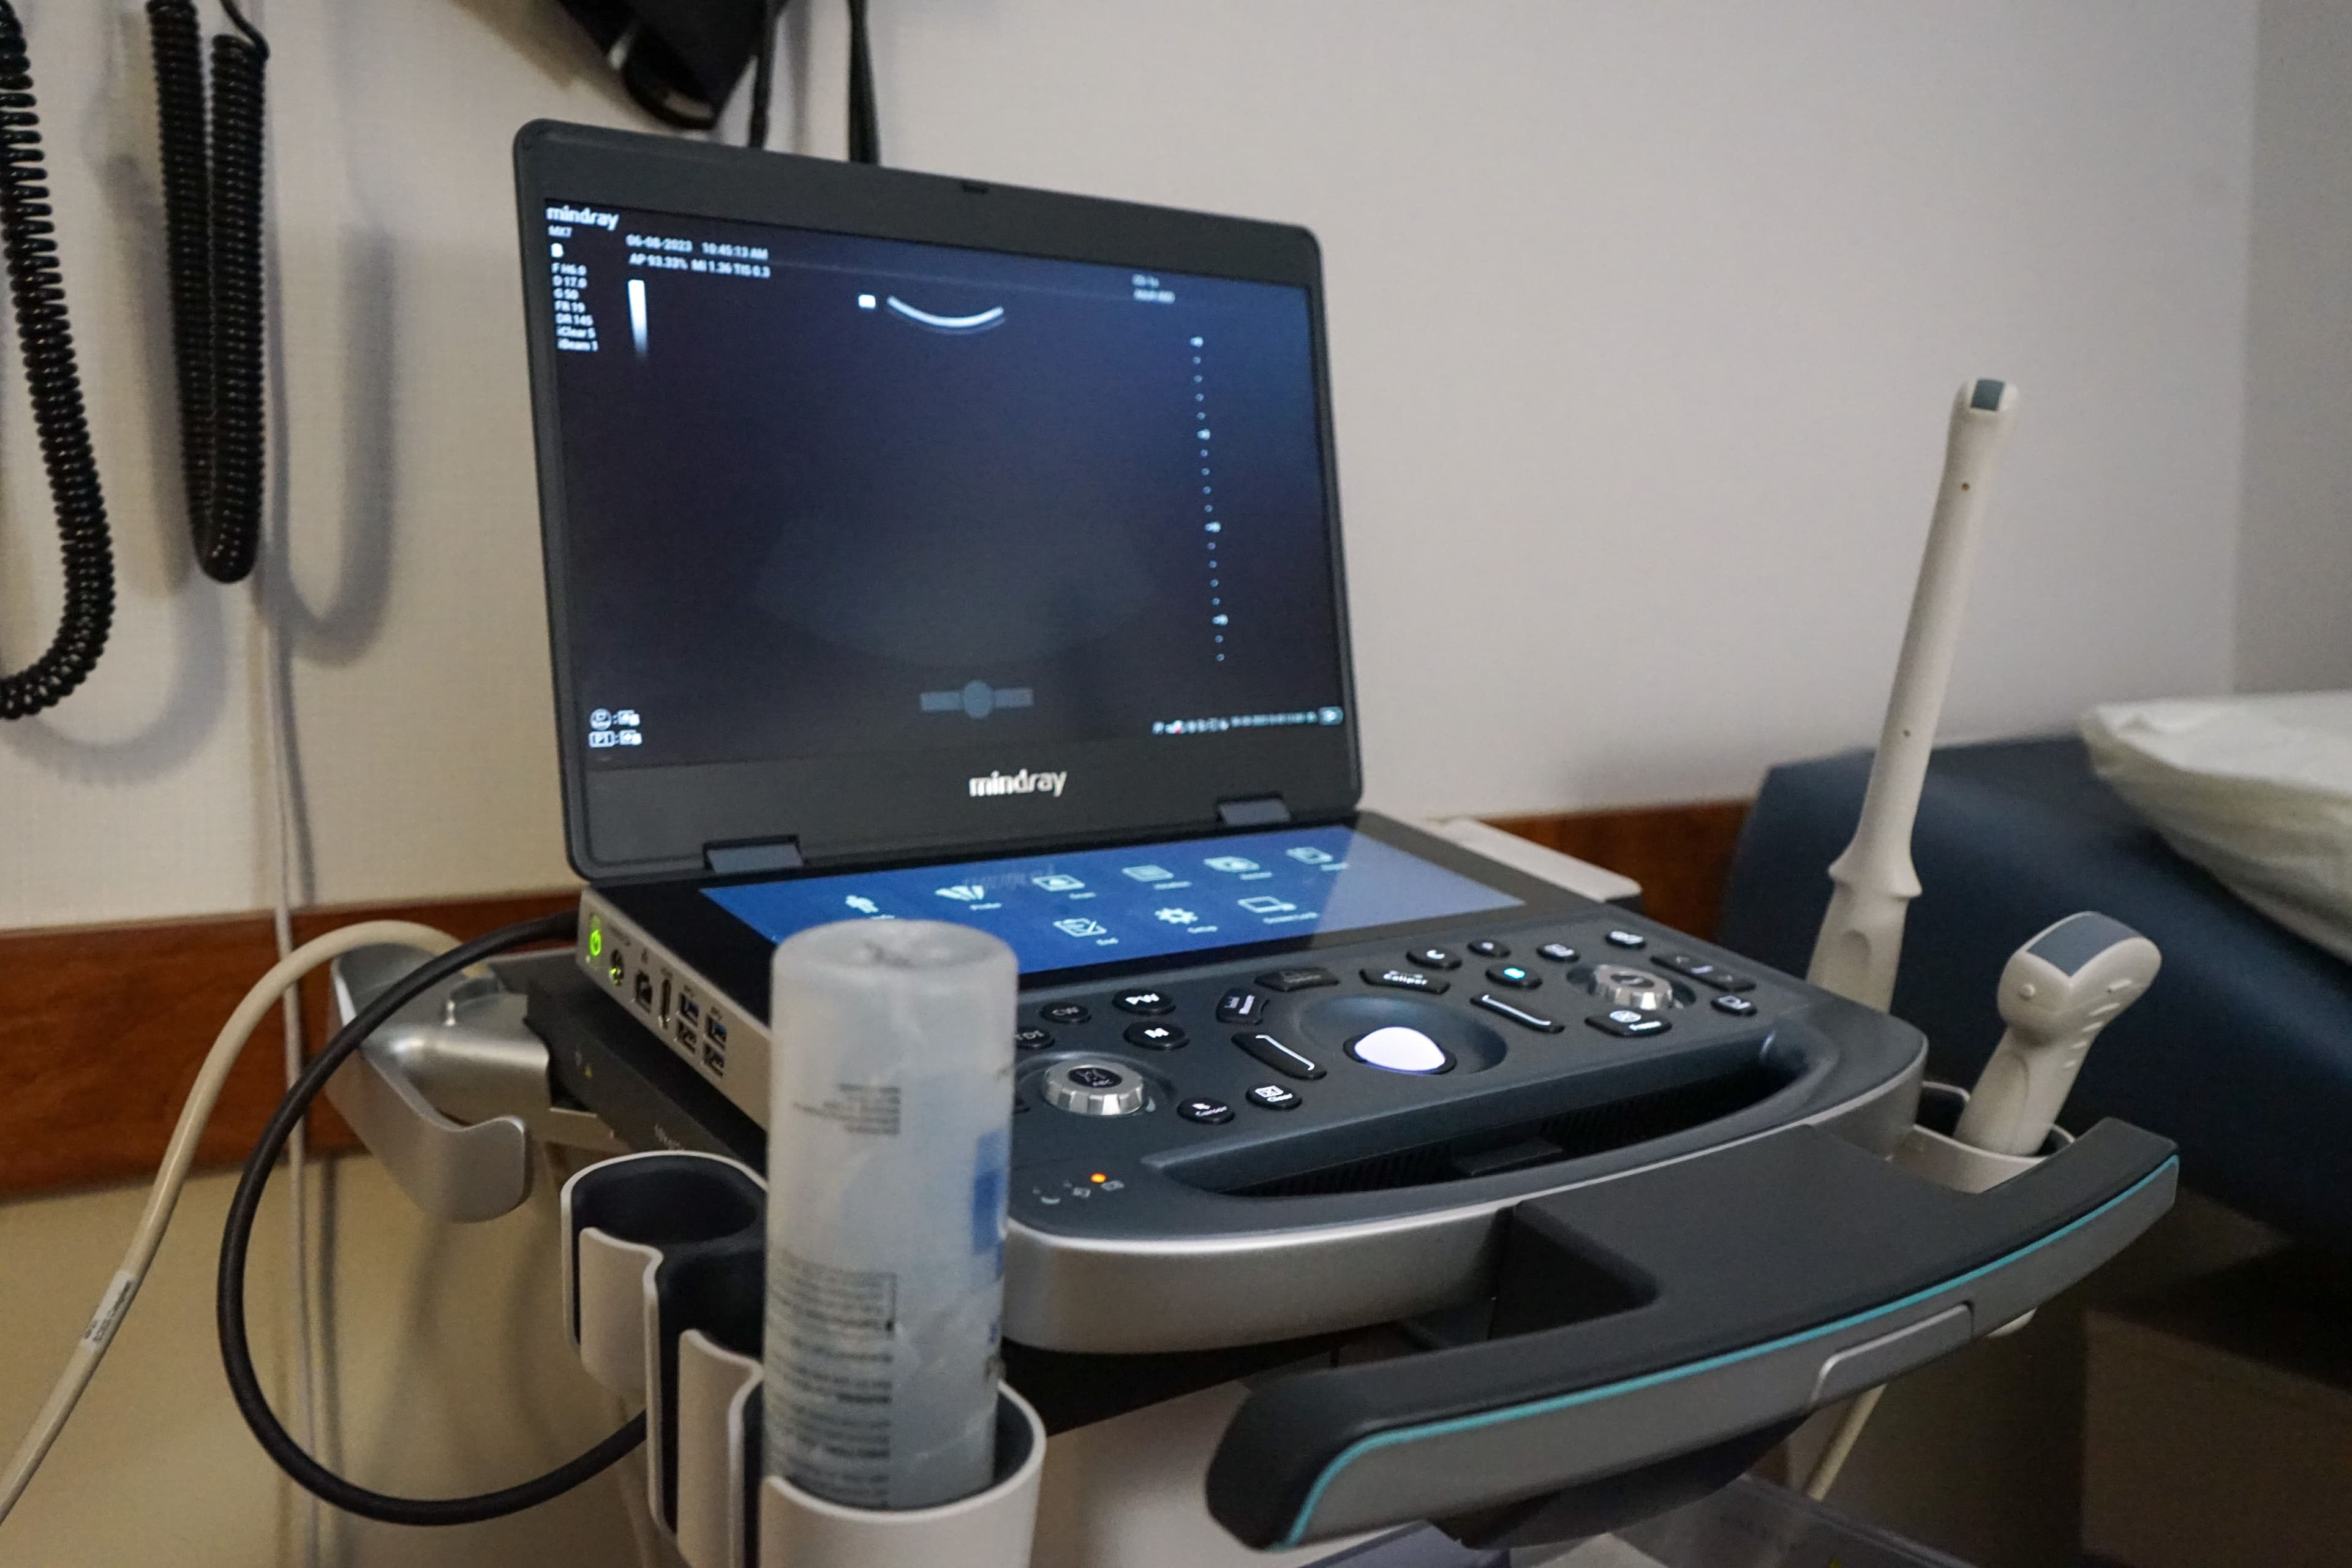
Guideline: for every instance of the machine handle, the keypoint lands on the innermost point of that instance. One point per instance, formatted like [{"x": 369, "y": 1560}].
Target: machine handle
[{"x": 1672, "y": 1311}]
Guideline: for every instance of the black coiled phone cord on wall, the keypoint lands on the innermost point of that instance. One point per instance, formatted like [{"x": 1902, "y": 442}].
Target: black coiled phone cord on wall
[
  {"x": 212, "y": 223},
  {"x": 44, "y": 339}
]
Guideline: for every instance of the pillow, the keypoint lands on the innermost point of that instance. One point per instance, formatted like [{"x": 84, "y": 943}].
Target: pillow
[{"x": 2257, "y": 790}]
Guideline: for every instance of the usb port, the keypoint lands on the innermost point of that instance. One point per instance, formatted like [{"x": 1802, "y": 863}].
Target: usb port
[
  {"x": 686, "y": 1037},
  {"x": 714, "y": 1026},
  {"x": 715, "y": 1059},
  {"x": 688, "y": 1008}
]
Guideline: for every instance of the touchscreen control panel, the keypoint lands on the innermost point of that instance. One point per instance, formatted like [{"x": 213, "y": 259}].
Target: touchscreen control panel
[{"x": 1078, "y": 909}]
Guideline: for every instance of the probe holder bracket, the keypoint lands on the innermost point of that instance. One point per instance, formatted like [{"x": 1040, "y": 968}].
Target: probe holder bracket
[{"x": 451, "y": 1090}]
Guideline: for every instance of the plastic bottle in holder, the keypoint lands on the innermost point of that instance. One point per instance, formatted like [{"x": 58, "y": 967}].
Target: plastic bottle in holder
[{"x": 888, "y": 1137}]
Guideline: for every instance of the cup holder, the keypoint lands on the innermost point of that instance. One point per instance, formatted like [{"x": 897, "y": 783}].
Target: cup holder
[
  {"x": 665, "y": 1259},
  {"x": 666, "y": 1200}
]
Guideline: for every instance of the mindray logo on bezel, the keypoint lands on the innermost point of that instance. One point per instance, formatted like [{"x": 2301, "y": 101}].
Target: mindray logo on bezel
[{"x": 1022, "y": 783}]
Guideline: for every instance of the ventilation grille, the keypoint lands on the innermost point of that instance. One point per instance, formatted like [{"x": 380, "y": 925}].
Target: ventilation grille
[{"x": 1572, "y": 1135}]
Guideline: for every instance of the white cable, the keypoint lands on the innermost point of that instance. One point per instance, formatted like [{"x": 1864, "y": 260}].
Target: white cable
[
  {"x": 173, "y": 1175},
  {"x": 278, "y": 676},
  {"x": 1849, "y": 1432},
  {"x": 297, "y": 1206}
]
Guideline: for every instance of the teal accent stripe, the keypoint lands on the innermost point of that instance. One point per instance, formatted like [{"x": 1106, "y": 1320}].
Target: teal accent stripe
[{"x": 1651, "y": 1379}]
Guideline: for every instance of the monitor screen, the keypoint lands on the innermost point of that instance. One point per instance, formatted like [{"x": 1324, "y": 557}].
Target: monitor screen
[
  {"x": 1151, "y": 901},
  {"x": 830, "y": 494}
]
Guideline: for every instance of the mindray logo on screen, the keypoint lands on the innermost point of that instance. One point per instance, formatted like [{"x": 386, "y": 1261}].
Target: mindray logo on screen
[{"x": 1022, "y": 783}]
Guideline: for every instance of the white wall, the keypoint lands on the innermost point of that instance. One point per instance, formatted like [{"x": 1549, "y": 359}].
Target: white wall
[
  {"x": 2294, "y": 568},
  {"x": 1643, "y": 321}
]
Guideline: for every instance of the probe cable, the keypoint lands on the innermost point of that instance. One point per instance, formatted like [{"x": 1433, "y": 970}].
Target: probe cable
[
  {"x": 172, "y": 1175},
  {"x": 212, "y": 227},
  {"x": 237, "y": 1236},
  {"x": 865, "y": 131},
  {"x": 45, "y": 341}
]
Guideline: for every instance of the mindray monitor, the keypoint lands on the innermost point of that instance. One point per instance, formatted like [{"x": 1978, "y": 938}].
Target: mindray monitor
[{"x": 885, "y": 511}]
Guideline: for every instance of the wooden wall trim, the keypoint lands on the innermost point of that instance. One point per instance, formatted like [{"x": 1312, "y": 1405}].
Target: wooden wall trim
[{"x": 102, "y": 1028}]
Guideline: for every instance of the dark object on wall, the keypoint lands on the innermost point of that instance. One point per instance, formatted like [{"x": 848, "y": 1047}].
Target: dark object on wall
[
  {"x": 44, "y": 339},
  {"x": 678, "y": 58}
]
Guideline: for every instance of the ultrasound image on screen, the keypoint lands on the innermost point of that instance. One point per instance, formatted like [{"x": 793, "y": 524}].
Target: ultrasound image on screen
[{"x": 827, "y": 495}]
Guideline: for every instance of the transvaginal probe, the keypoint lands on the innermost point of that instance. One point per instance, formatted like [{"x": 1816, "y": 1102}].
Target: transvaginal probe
[{"x": 1861, "y": 936}]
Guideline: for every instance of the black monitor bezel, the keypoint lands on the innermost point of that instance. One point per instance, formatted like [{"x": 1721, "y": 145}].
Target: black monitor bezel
[
  {"x": 730, "y": 955},
  {"x": 633, "y": 821}
]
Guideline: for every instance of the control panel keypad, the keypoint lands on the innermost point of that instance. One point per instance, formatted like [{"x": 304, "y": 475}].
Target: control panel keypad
[{"x": 1372, "y": 1035}]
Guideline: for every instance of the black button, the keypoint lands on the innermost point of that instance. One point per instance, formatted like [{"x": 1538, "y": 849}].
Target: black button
[
  {"x": 1095, "y": 1077},
  {"x": 1628, "y": 939},
  {"x": 1155, "y": 1037},
  {"x": 1627, "y": 1023},
  {"x": 1558, "y": 952},
  {"x": 1298, "y": 979},
  {"x": 1240, "y": 1007},
  {"x": 1273, "y": 1097},
  {"x": 1064, "y": 1013},
  {"x": 1406, "y": 980},
  {"x": 1032, "y": 1039},
  {"x": 1516, "y": 1015},
  {"x": 1713, "y": 974},
  {"x": 1512, "y": 976},
  {"x": 1209, "y": 1111},
  {"x": 1278, "y": 1056},
  {"x": 1486, "y": 949},
  {"x": 1433, "y": 958},
  {"x": 1152, "y": 1002},
  {"x": 1738, "y": 1007}
]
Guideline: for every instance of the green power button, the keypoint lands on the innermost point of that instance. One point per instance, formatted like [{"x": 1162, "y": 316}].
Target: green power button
[{"x": 595, "y": 940}]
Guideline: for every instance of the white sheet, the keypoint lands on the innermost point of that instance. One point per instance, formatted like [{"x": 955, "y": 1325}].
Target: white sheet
[{"x": 2257, "y": 790}]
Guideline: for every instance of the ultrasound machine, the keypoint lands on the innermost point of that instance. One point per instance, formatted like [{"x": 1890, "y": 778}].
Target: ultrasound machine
[{"x": 921, "y": 548}]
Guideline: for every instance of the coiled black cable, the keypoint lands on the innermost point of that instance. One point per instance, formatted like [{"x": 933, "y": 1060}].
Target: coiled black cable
[
  {"x": 211, "y": 224},
  {"x": 237, "y": 1237},
  {"x": 45, "y": 339}
]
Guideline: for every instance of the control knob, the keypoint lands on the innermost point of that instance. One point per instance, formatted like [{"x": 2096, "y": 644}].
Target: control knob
[
  {"x": 1621, "y": 987},
  {"x": 1093, "y": 1088}
]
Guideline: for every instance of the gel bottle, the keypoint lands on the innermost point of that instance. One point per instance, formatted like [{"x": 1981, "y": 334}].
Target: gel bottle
[{"x": 888, "y": 1136}]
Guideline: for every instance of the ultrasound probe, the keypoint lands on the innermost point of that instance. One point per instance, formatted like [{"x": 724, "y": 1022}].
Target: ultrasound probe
[
  {"x": 2057, "y": 992},
  {"x": 1861, "y": 935}
]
